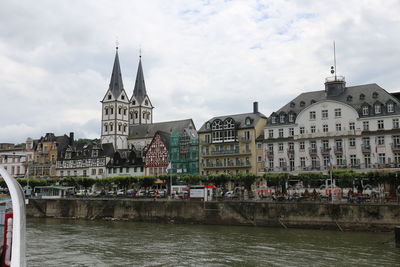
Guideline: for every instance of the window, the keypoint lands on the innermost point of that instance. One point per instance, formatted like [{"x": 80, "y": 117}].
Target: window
[
  {"x": 366, "y": 125},
  {"x": 259, "y": 159},
  {"x": 390, "y": 108},
  {"x": 229, "y": 124},
  {"x": 111, "y": 111},
  {"x": 381, "y": 140},
  {"x": 312, "y": 115},
  {"x": 349, "y": 98},
  {"x": 325, "y": 128},
  {"x": 377, "y": 109},
  {"x": 313, "y": 144},
  {"x": 302, "y": 145},
  {"x": 111, "y": 128},
  {"x": 291, "y": 117},
  {"x": 367, "y": 160},
  {"x": 122, "y": 97},
  {"x": 280, "y": 146},
  {"x": 396, "y": 141},
  {"x": 312, "y": 129},
  {"x": 326, "y": 161},
  {"x": 109, "y": 96},
  {"x": 119, "y": 127},
  {"x": 353, "y": 160},
  {"x": 302, "y": 103},
  {"x": 381, "y": 158},
  {"x": 352, "y": 142},
  {"x": 282, "y": 118},
  {"x": 338, "y": 112},
  {"x": 324, "y": 114},
  {"x": 365, "y": 110},
  {"x": 338, "y": 127},
  {"x": 352, "y": 126},
  {"x": 395, "y": 123},
  {"x": 270, "y": 133},
  {"x": 302, "y": 162},
  {"x": 282, "y": 162},
  {"x": 125, "y": 128},
  {"x": 119, "y": 111},
  {"x": 125, "y": 111},
  {"x": 273, "y": 119},
  {"x": 259, "y": 145},
  {"x": 291, "y": 146},
  {"x": 291, "y": 131},
  {"x": 247, "y": 121},
  {"x": 339, "y": 160},
  {"x": 301, "y": 130},
  {"x": 380, "y": 125},
  {"x": 144, "y": 115},
  {"x": 362, "y": 97},
  {"x": 280, "y": 132},
  {"x": 106, "y": 111},
  {"x": 146, "y": 102},
  {"x": 105, "y": 128},
  {"x": 217, "y": 125}
]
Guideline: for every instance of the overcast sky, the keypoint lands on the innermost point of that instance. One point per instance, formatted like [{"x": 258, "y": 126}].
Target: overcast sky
[{"x": 200, "y": 58}]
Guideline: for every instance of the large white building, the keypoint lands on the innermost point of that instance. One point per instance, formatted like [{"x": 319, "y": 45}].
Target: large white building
[
  {"x": 16, "y": 159},
  {"x": 353, "y": 127}
]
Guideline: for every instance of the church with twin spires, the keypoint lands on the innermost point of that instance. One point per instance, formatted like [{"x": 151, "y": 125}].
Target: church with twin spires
[{"x": 120, "y": 112}]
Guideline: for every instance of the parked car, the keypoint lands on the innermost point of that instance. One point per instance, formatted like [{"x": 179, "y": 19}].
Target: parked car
[
  {"x": 121, "y": 192},
  {"x": 229, "y": 194}
]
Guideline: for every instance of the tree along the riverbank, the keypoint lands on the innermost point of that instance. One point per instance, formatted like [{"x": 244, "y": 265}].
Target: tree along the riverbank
[{"x": 342, "y": 178}]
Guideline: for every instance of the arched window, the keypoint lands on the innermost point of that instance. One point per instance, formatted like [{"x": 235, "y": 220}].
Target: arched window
[
  {"x": 302, "y": 104},
  {"x": 247, "y": 121},
  {"x": 106, "y": 110},
  {"x": 105, "y": 127},
  {"x": 349, "y": 98},
  {"x": 229, "y": 124},
  {"x": 217, "y": 125}
]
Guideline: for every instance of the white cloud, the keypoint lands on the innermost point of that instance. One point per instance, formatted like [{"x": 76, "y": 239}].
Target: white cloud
[{"x": 201, "y": 58}]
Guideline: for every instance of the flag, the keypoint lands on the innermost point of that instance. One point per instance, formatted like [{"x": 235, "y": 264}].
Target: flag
[
  {"x": 169, "y": 167},
  {"x": 330, "y": 162}
]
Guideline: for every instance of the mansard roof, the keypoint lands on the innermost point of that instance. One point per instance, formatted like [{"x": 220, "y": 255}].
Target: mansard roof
[
  {"x": 240, "y": 120},
  {"x": 139, "y": 91},
  {"x": 144, "y": 131},
  {"x": 116, "y": 85},
  {"x": 350, "y": 96},
  {"x": 82, "y": 149}
]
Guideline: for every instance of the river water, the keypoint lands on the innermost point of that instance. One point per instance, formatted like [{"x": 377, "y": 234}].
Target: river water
[{"x": 56, "y": 242}]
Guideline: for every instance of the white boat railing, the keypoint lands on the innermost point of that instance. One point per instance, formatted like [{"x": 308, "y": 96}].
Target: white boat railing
[{"x": 18, "y": 248}]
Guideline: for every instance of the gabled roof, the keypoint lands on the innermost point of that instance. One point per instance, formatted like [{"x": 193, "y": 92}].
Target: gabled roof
[
  {"x": 140, "y": 88},
  {"x": 116, "y": 85},
  {"x": 148, "y": 130},
  {"x": 240, "y": 120}
]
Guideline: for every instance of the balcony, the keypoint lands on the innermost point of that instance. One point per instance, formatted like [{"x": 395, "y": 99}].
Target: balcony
[
  {"x": 245, "y": 139},
  {"x": 366, "y": 148},
  {"x": 225, "y": 152},
  {"x": 338, "y": 150},
  {"x": 290, "y": 152},
  {"x": 395, "y": 147},
  {"x": 325, "y": 150},
  {"x": 313, "y": 151},
  {"x": 221, "y": 165}
]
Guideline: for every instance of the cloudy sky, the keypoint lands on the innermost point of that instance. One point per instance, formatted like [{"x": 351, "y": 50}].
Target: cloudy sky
[{"x": 200, "y": 58}]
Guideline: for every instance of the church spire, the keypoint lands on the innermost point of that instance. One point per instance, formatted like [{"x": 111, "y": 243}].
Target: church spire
[
  {"x": 140, "y": 88},
  {"x": 116, "y": 85}
]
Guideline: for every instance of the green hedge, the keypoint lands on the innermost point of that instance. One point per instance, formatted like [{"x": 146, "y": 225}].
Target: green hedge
[{"x": 343, "y": 179}]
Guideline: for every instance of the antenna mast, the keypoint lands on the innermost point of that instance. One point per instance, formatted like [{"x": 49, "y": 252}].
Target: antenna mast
[{"x": 334, "y": 59}]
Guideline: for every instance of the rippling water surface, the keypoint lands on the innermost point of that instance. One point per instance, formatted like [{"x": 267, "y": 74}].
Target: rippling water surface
[{"x": 55, "y": 242}]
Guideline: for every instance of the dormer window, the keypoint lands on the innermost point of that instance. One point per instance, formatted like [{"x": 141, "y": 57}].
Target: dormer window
[
  {"x": 313, "y": 101},
  {"x": 365, "y": 110},
  {"x": 273, "y": 119},
  {"x": 362, "y": 97},
  {"x": 229, "y": 124},
  {"x": 302, "y": 103},
  {"x": 390, "y": 107},
  {"x": 375, "y": 95},
  {"x": 291, "y": 117},
  {"x": 217, "y": 125},
  {"x": 349, "y": 98},
  {"x": 292, "y": 104},
  {"x": 248, "y": 121},
  {"x": 378, "y": 109},
  {"x": 95, "y": 153},
  {"x": 208, "y": 125},
  {"x": 282, "y": 118}
]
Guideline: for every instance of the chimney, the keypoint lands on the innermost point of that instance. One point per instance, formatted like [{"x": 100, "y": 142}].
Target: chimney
[
  {"x": 71, "y": 138},
  {"x": 255, "y": 107}
]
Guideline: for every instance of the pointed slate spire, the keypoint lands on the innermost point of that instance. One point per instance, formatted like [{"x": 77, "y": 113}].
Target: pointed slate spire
[
  {"x": 116, "y": 85},
  {"x": 140, "y": 88}
]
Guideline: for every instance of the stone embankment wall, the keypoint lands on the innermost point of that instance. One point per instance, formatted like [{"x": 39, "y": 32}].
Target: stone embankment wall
[{"x": 286, "y": 215}]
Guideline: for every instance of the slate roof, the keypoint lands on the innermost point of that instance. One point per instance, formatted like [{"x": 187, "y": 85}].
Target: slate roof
[
  {"x": 139, "y": 91},
  {"x": 125, "y": 158},
  {"x": 238, "y": 118},
  {"x": 83, "y": 150},
  {"x": 148, "y": 130},
  {"x": 351, "y": 96},
  {"x": 116, "y": 85}
]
